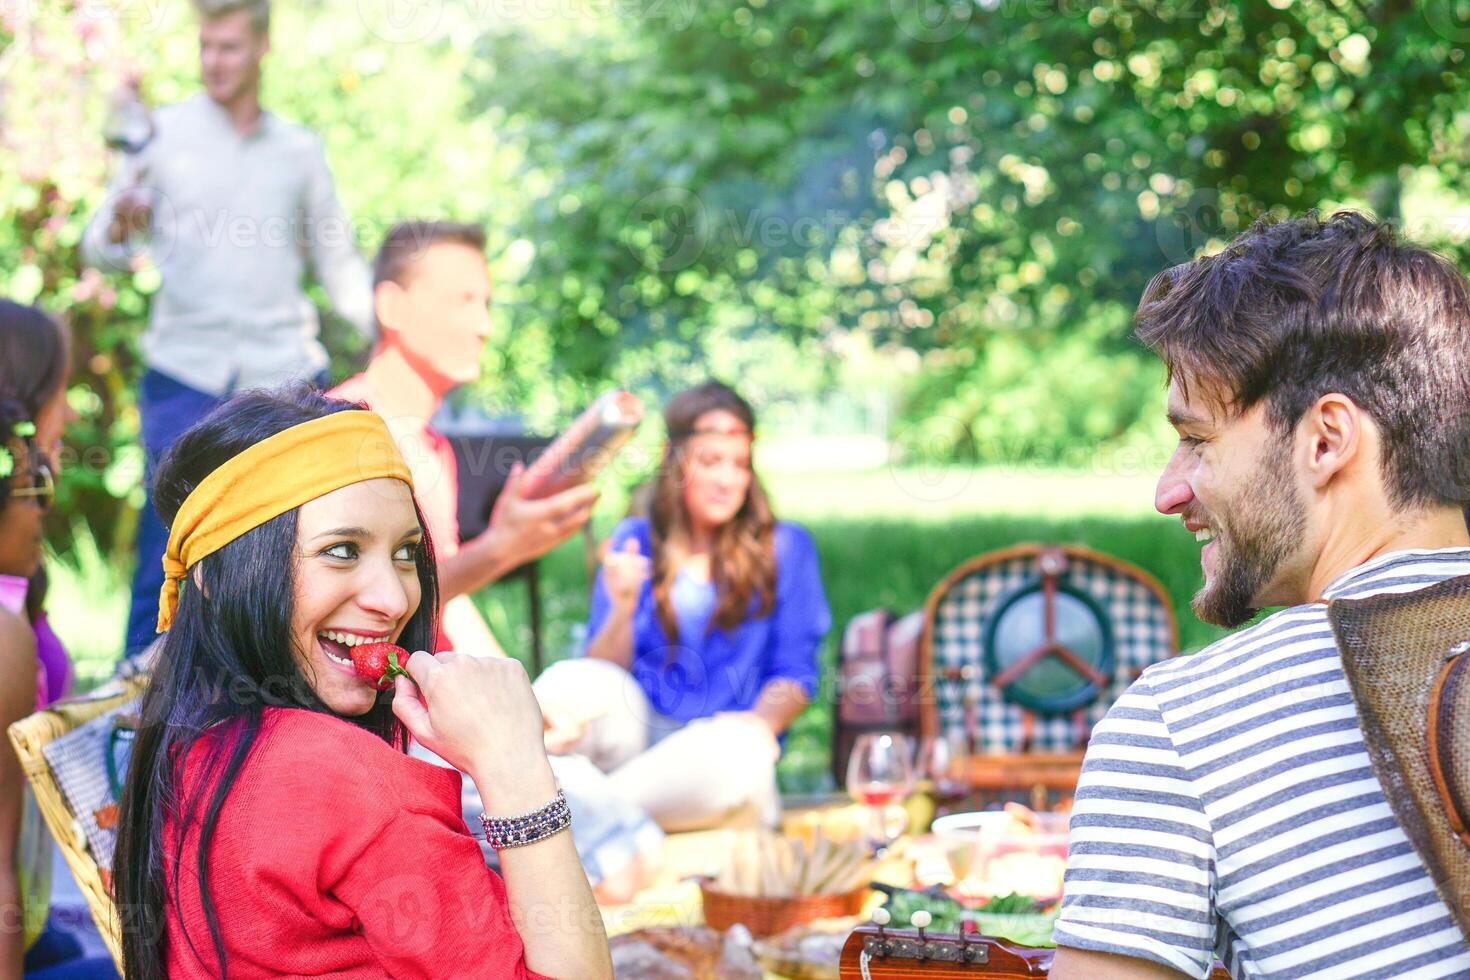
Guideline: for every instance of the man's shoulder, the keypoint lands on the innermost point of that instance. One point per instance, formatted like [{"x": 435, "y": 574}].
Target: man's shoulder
[
  {"x": 182, "y": 109},
  {"x": 188, "y": 113},
  {"x": 294, "y": 135},
  {"x": 1303, "y": 623},
  {"x": 353, "y": 389}
]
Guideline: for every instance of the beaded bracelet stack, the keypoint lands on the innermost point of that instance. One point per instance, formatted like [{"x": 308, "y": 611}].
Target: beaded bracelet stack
[{"x": 528, "y": 828}]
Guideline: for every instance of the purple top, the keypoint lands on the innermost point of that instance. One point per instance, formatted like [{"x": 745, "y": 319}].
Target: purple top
[
  {"x": 54, "y": 660},
  {"x": 54, "y": 678}
]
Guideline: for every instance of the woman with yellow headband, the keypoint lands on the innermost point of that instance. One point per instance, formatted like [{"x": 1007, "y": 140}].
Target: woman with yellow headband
[{"x": 272, "y": 822}]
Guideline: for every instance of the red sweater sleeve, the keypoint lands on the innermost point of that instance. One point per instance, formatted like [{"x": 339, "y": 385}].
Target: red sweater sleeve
[{"x": 337, "y": 853}]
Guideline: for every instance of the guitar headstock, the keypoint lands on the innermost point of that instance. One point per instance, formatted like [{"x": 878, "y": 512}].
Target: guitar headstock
[{"x": 877, "y": 952}]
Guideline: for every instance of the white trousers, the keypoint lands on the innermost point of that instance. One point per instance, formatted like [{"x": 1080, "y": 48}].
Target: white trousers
[{"x": 686, "y": 776}]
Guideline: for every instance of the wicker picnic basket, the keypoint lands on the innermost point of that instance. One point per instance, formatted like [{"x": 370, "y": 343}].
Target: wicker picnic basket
[
  {"x": 766, "y": 915},
  {"x": 30, "y": 735},
  {"x": 1026, "y": 649}
]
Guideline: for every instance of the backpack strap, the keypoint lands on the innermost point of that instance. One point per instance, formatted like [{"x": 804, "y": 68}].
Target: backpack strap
[{"x": 1447, "y": 689}]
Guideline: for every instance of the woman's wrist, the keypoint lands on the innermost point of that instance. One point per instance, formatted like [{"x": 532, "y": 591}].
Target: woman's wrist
[
  {"x": 512, "y": 791},
  {"x": 531, "y": 827}
]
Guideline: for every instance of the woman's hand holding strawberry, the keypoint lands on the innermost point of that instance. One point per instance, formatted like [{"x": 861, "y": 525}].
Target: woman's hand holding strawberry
[{"x": 480, "y": 716}]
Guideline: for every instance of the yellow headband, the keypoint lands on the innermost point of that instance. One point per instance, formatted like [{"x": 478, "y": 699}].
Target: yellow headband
[{"x": 270, "y": 478}]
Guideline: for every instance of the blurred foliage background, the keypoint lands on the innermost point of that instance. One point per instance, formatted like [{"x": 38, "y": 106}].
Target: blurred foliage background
[{"x": 912, "y": 232}]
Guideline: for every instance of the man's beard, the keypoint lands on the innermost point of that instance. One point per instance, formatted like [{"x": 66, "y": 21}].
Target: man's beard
[{"x": 1255, "y": 533}]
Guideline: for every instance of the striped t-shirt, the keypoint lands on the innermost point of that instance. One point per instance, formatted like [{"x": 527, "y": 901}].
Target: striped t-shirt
[{"x": 1227, "y": 809}]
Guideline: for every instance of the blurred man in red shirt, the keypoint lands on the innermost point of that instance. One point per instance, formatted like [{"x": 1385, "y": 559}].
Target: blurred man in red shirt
[{"x": 431, "y": 298}]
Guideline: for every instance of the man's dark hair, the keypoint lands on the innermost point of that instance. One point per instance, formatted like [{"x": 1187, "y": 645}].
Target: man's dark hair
[
  {"x": 406, "y": 242},
  {"x": 1294, "y": 310}
]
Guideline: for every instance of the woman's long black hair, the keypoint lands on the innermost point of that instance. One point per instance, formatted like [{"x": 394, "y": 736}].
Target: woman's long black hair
[
  {"x": 226, "y": 658},
  {"x": 32, "y": 355}
]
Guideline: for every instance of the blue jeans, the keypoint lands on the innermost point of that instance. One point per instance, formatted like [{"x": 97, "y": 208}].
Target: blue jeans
[
  {"x": 57, "y": 955},
  {"x": 168, "y": 408}
]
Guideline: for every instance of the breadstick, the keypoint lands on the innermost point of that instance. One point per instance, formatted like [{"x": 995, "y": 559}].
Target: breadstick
[
  {"x": 769, "y": 865},
  {"x": 845, "y": 861},
  {"x": 786, "y": 855},
  {"x": 821, "y": 848}
]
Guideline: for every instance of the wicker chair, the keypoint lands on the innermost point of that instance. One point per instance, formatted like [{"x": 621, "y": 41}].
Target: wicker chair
[
  {"x": 30, "y": 736},
  {"x": 1026, "y": 649}
]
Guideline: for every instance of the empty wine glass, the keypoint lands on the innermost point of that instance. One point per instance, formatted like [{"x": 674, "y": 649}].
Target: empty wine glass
[
  {"x": 880, "y": 773},
  {"x": 941, "y": 764}
]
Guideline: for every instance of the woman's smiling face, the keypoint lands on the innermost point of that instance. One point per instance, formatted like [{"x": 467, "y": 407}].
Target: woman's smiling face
[{"x": 356, "y": 581}]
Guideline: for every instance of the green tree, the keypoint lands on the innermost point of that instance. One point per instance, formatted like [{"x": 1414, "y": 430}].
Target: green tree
[{"x": 979, "y": 183}]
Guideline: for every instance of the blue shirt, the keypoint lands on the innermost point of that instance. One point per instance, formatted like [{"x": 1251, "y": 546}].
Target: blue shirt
[{"x": 708, "y": 669}]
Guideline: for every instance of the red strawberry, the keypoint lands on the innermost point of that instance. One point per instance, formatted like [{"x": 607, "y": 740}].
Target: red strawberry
[{"x": 379, "y": 663}]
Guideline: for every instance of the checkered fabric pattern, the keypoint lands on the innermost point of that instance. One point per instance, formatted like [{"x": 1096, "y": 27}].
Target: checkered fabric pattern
[
  {"x": 1142, "y": 635},
  {"x": 78, "y": 761}
]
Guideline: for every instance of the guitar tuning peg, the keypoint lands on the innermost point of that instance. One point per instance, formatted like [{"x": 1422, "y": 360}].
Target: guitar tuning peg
[
  {"x": 921, "y": 920},
  {"x": 968, "y": 929},
  {"x": 881, "y": 918}
]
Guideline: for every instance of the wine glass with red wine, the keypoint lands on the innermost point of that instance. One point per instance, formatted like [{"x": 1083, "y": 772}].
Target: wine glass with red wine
[{"x": 880, "y": 773}]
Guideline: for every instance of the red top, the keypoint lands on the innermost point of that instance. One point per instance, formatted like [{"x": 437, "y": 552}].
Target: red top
[{"x": 337, "y": 855}]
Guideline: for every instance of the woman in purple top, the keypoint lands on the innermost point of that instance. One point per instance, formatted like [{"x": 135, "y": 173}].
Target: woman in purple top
[
  {"x": 703, "y": 636},
  {"x": 33, "y": 666}
]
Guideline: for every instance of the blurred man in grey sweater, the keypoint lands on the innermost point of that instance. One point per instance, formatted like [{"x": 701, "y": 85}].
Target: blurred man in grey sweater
[{"x": 234, "y": 204}]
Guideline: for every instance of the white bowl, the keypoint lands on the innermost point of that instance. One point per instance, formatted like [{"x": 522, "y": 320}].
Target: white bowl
[
  {"x": 990, "y": 855},
  {"x": 962, "y": 827}
]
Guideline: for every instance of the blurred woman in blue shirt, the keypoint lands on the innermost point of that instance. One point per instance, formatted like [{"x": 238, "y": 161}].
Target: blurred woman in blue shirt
[{"x": 705, "y": 624}]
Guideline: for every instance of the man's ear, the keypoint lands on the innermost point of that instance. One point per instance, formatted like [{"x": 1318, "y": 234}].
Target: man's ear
[
  {"x": 388, "y": 301},
  {"x": 1337, "y": 433}
]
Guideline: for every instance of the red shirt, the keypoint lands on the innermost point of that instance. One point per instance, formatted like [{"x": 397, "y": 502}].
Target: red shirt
[
  {"x": 337, "y": 855},
  {"x": 435, "y": 471}
]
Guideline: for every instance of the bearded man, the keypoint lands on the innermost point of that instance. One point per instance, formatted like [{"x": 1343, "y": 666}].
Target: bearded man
[{"x": 1320, "y": 388}]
